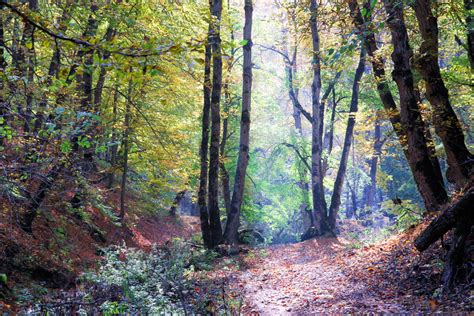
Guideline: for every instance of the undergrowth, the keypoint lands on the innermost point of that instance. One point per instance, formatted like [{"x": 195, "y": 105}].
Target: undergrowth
[{"x": 131, "y": 281}]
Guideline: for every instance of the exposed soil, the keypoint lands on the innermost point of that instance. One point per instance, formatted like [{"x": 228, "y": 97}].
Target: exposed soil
[
  {"x": 63, "y": 245},
  {"x": 327, "y": 276}
]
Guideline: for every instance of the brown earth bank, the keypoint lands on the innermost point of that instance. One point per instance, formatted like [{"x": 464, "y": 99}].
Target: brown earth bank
[{"x": 62, "y": 245}]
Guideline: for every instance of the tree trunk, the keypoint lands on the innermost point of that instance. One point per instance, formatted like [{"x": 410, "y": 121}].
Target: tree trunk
[
  {"x": 26, "y": 222},
  {"x": 53, "y": 71},
  {"x": 446, "y": 123},
  {"x": 233, "y": 221},
  {"x": 336, "y": 195},
  {"x": 213, "y": 194},
  {"x": 319, "y": 201},
  {"x": 329, "y": 135},
  {"x": 113, "y": 139},
  {"x": 125, "y": 144},
  {"x": 431, "y": 189},
  {"x": 103, "y": 71},
  {"x": 461, "y": 210},
  {"x": 203, "y": 151},
  {"x": 377, "y": 147},
  {"x": 174, "y": 207},
  {"x": 469, "y": 7},
  {"x": 225, "y": 181},
  {"x": 26, "y": 66},
  {"x": 457, "y": 216},
  {"x": 291, "y": 66},
  {"x": 3, "y": 66}
]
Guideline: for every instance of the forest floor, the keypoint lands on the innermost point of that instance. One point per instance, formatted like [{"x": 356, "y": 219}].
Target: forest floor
[
  {"x": 324, "y": 275},
  {"x": 328, "y": 275}
]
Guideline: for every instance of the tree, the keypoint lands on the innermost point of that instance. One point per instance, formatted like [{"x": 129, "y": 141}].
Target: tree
[
  {"x": 407, "y": 122},
  {"x": 125, "y": 149},
  {"x": 233, "y": 220},
  {"x": 203, "y": 152},
  {"x": 319, "y": 200},
  {"x": 341, "y": 172},
  {"x": 446, "y": 123}
]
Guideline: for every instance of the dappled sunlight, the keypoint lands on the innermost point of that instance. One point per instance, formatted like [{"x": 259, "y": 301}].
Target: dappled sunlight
[{"x": 263, "y": 157}]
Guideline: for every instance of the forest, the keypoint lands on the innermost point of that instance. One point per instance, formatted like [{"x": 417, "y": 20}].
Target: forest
[{"x": 238, "y": 157}]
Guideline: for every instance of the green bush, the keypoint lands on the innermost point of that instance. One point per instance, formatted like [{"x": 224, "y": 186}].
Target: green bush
[{"x": 163, "y": 281}]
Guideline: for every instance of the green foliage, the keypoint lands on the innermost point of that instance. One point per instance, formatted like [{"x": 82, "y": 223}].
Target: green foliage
[
  {"x": 158, "y": 282},
  {"x": 3, "y": 278},
  {"x": 406, "y": 214}
]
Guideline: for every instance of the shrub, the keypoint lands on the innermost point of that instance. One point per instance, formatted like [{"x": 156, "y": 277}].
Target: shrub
[{"x": 162, "y": 281}]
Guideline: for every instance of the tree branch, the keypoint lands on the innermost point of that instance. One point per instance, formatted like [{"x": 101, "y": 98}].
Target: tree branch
[
  {"x": 121, "y": 51},
  {"x": 299, "y": 154}
]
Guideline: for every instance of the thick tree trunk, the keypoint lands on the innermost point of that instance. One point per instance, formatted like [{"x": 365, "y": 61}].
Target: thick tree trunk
[
  {"x": 341, "y": 173},
  {"x": 457, "y": 216},
  {"x": 460, "y": 211},
  {"x": 319, "y": 201},
  {"x": 455, "y": 256},
  {"x": 431, "y": 189},
  {"x": 203, "y": 151},
  {"x": 430, "y": 142},
  {"x": 233, "y": 220},
  {"x": 446, "y": 123},
  {"x": 26, "y": 222},
  {"x": 213, "y": 194}
]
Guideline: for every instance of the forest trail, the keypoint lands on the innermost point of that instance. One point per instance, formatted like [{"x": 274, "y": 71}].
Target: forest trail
[
  {"x": 312, "y": 276},
  {"x": 328, "y": 275}
]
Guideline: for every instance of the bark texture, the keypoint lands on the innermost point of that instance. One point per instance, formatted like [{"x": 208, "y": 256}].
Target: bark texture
[
  {"x": 469, "y": 7},
  {"x": 319, "y": 201},
  {"x": 461, "y": 210},
  {"x": 213, "y": 187},
  {"x": 203, "y": 152},
  {"x": 447, "y": 125},
  {"x": 341, "y": 173},
  {"x": 431, "y": 189},
  {"x": 125, "y": 145},
  {"x": 233, "y": 220}
]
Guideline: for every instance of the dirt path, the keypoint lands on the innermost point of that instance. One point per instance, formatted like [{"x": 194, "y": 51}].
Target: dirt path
[{"x": 307, "y": 278}]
